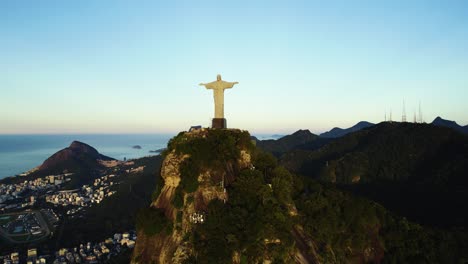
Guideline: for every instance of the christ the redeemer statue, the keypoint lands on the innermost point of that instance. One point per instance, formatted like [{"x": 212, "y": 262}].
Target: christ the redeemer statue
[{"x": 218, "y": 87}]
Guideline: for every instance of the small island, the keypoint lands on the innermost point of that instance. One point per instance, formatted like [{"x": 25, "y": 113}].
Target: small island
[
  {"x": 157, "y": 151},
  {"x": 136, "y": 147}
]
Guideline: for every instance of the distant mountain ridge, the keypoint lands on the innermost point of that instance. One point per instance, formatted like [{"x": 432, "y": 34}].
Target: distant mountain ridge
[
  {"x": 425, "y": 164},
  {"x": 304, "y": 139},
  {"x": 339, "y": 132},
  {"x": 438, "y": 121},
  {"x": 286, "y": 143}
]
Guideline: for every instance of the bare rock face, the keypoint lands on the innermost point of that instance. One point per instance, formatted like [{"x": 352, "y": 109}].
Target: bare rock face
[
  {"x": 171, "y": 174},
  {"x": 170, "y": 248},
  {"x": 245, "y": 160},
  {"x": 161, "y": 248}
]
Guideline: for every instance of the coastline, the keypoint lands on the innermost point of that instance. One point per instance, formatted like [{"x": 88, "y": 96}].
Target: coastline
[{"x": 22, "y": 153}]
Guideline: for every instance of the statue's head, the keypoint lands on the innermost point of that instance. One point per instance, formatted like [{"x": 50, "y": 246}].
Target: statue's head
[{"x": 218, "y": 77}]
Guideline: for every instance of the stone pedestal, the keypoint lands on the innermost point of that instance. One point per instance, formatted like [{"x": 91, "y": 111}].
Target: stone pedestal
[{"x": 218, "y": 123}]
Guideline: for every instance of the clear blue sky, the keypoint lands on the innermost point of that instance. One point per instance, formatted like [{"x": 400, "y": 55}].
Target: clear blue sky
[{"x": 134, "y": 66}]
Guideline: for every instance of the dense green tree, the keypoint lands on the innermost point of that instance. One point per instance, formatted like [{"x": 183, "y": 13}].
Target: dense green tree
[{"x": 282, "y": 185}]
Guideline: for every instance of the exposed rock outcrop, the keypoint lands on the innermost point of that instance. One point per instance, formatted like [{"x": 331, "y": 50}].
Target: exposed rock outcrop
[{"x": 212, "y": 180}]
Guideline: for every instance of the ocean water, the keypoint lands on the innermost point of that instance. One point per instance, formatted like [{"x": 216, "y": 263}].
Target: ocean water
[{"x": 20, "y": 153}]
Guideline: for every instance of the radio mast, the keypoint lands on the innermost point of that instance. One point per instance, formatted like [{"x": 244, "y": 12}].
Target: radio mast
[
  {"x": 403, "y": 114},
  {"x": 420, "y": 118}
]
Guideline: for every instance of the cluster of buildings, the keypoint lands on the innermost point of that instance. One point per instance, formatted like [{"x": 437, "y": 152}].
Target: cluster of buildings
[
  {"x": 32, "y": 258},
  {"x": 11, "y": 194},
  {"x": 85, "y": 196},
  {"x": 48, "y": 190},
  {"x": 84, "y": 253}
]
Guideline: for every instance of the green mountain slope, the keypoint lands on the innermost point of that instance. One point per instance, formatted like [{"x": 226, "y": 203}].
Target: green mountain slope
[
  {"x": 417, "y": 170},
  {"x": 268, "y": 213}
]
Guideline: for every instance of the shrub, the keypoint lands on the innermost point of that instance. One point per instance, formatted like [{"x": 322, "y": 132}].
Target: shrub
[{"x": 189, "y": 170}]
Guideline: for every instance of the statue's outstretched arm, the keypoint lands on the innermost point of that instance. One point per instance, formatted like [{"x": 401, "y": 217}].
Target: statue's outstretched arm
[
  {"x": 230, "y": 84},
  {"x": 207, "y": 85}
]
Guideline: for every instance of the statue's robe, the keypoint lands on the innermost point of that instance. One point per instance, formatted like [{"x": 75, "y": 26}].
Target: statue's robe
[{"x": 218, "y": 94}]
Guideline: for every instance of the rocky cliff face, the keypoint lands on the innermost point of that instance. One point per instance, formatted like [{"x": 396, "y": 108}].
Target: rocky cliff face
[{"x": 186, "y": 207}]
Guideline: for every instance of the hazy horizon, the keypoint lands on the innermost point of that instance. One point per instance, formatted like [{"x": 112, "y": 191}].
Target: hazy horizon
[
  {"x": 173, "y": 133},
  {"x": 119, "y": 67}
]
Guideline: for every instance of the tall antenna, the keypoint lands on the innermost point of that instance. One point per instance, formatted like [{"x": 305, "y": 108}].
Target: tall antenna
[
  {"x": 414, "y": 118},
  {"x": 403, "y": 115},
  {"x": 390, "y": 119},
  {"x": 385, "y": 116},
  {"x": 420, "y": 114}
]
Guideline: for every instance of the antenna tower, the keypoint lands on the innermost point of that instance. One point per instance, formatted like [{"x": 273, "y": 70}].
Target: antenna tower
[
  {"x": 403, "y": 116},
  {"x": 420, "y": 118}
]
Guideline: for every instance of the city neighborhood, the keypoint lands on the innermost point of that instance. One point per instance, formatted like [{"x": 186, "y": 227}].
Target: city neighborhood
[{"x": 31, "y": 211}]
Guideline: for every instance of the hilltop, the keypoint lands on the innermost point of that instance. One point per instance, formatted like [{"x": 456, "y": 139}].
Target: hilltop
[
  {"x": 77, "y": 156},
  {"x": 339, "y": 132},
  {"x": 286, "y": 143}
]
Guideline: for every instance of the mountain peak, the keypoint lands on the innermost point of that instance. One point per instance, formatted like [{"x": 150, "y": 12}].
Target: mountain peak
[
  {"x": 78, "y": 153},
  {"x": 364, "y": 123},
  {"x": 439, "y": 121},
  {"x": 288, "y": 142},
  {"x": 339, "y": 132},
  {"x": 302, "y": 132},
  {"x": 76, "y": 142},
  {"x": 190, "y": 190},
  {"x": 80, "y": 145},
  {"x": 438, "y": 118}
]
